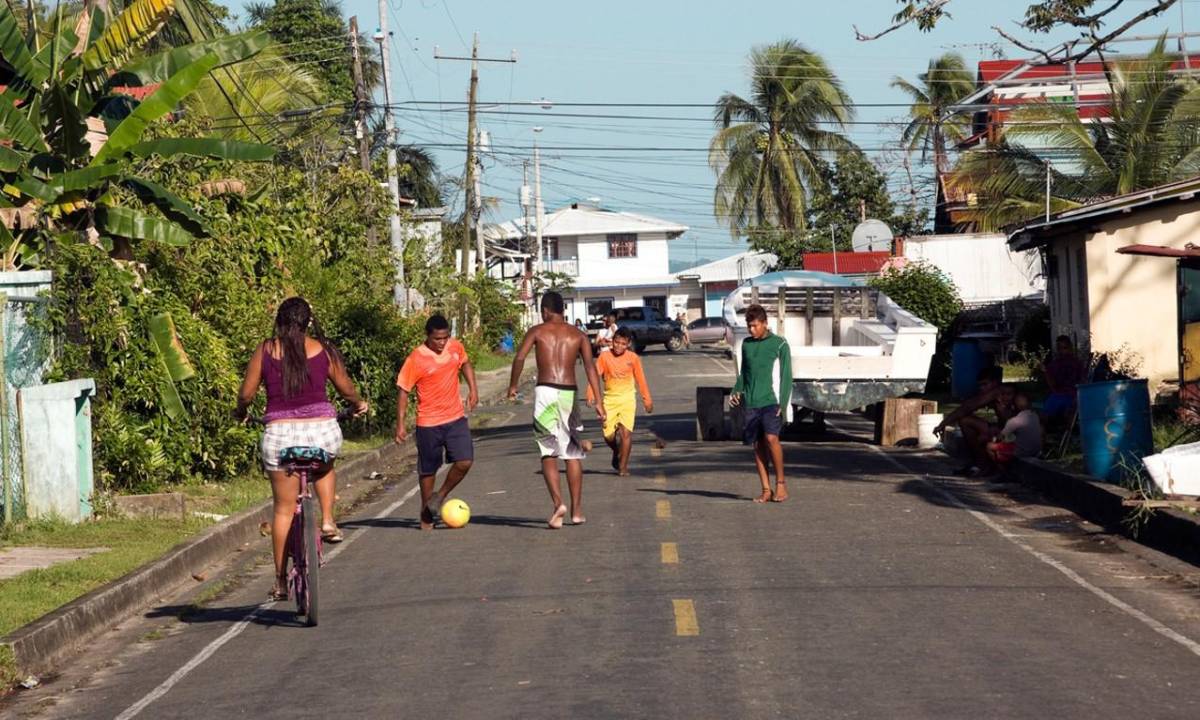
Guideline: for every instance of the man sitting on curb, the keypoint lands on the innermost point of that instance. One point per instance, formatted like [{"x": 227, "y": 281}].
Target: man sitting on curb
[{"x": 978, "y": 431}]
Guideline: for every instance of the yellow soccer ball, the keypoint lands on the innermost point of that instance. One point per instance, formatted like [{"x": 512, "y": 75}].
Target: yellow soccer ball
[{"x": 455, "y": 513}]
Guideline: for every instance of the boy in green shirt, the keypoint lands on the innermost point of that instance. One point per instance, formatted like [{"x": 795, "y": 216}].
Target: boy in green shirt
[{"x": 764, "y": 385}]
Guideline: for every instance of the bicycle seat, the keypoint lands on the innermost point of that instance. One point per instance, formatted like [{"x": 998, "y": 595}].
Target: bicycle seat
[{"x": 300, "y": 454}]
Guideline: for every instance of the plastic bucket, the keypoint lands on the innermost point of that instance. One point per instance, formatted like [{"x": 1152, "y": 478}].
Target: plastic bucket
[
  {"x": 966, "y": 360},
  {"x": 1114, "y": 427},
  {"x": 925, "y": 425}
]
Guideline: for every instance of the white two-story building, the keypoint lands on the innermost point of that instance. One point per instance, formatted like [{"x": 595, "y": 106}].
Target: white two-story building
[{"x": 615, "y": 259}]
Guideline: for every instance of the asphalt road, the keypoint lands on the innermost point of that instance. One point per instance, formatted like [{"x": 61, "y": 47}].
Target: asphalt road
[{"x": 882, "y": 589}]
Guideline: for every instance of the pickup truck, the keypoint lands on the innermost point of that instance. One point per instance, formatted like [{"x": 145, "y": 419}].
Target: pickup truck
[{"x": 648, "y": 325}]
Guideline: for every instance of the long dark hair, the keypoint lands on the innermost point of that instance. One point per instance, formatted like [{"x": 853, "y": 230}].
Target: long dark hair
[{"x": 293, "y": 322}]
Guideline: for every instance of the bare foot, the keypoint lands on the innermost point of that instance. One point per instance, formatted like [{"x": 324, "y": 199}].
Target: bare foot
[
  {"x": 578, "y": 519},
  {"x": 556, "y": 520},
  {"x": 623, "y": 472},
  {"x": 765, "y": 497},
  {"x": 426, "y": 519},
  {"x": 781, "y": 493}
]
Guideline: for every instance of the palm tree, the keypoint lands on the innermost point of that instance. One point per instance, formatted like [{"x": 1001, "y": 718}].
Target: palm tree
[
  {"x": 930, "y": 128},
  {"x": 766, "y": 152},
  {"x": 1150, "y": 136}
]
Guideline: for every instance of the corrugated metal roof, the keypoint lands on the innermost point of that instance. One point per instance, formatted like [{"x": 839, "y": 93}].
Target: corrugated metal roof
[
  {"x": 579, "y": 219},
  {"x": 848, "y": 263},
  {"x": 752, "y": 264}
]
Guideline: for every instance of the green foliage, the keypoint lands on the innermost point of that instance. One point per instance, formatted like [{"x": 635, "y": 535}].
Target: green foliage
[
  {"x": 221, "y": 291},
  {"x": 313, "y": 33},
  {"x": 766, "y": 148},
  {"x": 924, "y": 291}
]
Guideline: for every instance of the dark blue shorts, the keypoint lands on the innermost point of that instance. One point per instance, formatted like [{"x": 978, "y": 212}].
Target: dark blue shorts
[
  {"x": 441, "y": 444},
  {"x": 1059, "y": 405},
  {"x": 761, "y": 421}
]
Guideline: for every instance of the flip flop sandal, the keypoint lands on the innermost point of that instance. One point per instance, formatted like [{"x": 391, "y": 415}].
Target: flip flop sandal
[
  {"x": 277, "y": 595},
  {"x": 332, "y": 536}
]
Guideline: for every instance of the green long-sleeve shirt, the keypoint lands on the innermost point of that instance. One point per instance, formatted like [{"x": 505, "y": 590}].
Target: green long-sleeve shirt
[{"x": 766, "y": 373}]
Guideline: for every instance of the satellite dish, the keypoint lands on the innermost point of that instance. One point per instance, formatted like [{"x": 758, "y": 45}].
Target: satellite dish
[{"x": 871, "y": 236}]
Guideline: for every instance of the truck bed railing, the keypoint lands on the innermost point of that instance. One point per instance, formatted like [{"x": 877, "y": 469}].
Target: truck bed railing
[{"x": 815, "y": 302}]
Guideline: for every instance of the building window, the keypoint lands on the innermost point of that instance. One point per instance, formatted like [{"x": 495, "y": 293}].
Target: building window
[
  {"x": 622, "y": 245},
  {"x": 658, "y": 302},
  {"x": 550, "y": 248},
  {"x": 597, "y": 308}
]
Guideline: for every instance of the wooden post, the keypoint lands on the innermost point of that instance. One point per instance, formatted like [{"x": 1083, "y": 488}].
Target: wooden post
[
  {"x": 754, "y": 295},
  {"x": 865, "y": 294},
  {"x": 808, "y": 316},
  {"x": 837, "y": 317},
  {"x": 898, "y": 422}
]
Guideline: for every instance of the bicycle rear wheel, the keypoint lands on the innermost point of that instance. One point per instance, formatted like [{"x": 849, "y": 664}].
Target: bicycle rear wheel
[{"x": 312, "y": 560}]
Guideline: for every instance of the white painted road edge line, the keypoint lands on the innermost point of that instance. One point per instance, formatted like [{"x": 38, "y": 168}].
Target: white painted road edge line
[
  {"x": 242, "y": 624},
  {"x": 1073, "y": 576}
]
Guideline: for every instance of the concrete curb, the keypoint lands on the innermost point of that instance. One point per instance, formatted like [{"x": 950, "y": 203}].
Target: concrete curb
[
  {"x": 38, "y": 646},
  {"x": 1170, "y": 531}
]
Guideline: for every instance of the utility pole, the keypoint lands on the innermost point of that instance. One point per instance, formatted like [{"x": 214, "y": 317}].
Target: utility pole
[
  {"x": 360, "y": 114},
  {"x": 538, "y": 210},
  {"x": 382, "y": 36},
  {"x": 526, "y": 199},
  {"x": 833, "y": 244},
  {"x": 473, "y": 205}
]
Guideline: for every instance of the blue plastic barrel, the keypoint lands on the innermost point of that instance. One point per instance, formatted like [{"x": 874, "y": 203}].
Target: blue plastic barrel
[
  {"x": 966, "y": 360},
  {"x": 1114, "y": 426}
]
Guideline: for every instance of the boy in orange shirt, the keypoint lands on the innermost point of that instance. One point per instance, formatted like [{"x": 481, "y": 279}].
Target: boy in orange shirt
[
  {"x": 443, "y": 435},
  {"x": 621, "y": 369}
]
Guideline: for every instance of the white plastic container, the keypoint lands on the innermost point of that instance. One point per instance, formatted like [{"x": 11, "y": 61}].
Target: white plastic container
[
  {"x": 1176, "y": 471},
  {"x": 925, "y": 425}
]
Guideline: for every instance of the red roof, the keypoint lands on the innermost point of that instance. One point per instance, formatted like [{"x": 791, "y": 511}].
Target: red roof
[
  {"x": 137, "y": 92},
  {"x": 848, "y": 263}
]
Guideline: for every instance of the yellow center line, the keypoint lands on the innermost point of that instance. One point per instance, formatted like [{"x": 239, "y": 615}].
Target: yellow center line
[
  {"x": 662, "y": 509},
  {"x": 686, "y": 624},
  {"x": 670, "y": 554}
]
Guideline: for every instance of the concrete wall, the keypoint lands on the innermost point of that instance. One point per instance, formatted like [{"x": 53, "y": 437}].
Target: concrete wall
[
  {"x": 595, "y": 267},
  {"x": 981, "y": 265}
]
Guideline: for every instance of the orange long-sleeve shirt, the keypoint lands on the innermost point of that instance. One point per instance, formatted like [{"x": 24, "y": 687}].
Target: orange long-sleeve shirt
[{"x": 620, "y": 374}]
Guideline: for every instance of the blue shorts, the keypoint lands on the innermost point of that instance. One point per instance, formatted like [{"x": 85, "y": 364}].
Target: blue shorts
[
  {"x": 441, "y": 444},
  {"x": 760, "y": 422},
  {"x": 1058, "y": 405}
]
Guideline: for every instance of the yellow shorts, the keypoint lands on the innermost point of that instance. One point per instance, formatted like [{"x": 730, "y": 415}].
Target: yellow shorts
[{"x": 621, "y": 410}]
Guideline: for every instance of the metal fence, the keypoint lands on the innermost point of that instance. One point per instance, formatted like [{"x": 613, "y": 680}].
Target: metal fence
[{"x": 24, "y": 360}]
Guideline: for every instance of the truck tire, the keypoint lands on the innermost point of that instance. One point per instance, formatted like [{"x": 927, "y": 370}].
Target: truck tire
[{"x": 675, "y": 342}]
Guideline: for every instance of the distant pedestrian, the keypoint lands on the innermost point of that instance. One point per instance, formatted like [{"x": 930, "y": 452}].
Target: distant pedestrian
[
  {"x": 1064, "y": 371},
  {"x": 556, "y": 425},
  {"x": 681, "y": 318},
  {"x": 621, "y": 371},
  {"x": 605, "y": 336},
  {"x": 764, "y": 387},
  {"x": 443, "y": 433}
]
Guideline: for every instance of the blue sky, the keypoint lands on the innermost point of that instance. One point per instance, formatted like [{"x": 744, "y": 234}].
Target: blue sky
[{"x": 652, "y": 51}]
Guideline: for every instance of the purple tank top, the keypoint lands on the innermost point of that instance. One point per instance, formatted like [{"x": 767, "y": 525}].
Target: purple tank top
[{"x": 311, "y": 402}]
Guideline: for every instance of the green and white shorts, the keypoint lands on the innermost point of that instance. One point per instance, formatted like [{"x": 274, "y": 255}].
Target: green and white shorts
[{"x": 556, "y": 424}]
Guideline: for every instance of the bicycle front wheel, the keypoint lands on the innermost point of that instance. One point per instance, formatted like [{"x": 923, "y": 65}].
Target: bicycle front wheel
[{"x": 312, "y": 560}]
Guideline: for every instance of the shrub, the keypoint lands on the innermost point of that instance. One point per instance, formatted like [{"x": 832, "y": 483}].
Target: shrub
[{"x": 924, "y": 291}]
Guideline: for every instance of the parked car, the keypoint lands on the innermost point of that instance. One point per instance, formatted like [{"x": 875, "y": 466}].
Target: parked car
[
  {"x": 648, "y": 325},
  {"x": 710, "y": 331}
]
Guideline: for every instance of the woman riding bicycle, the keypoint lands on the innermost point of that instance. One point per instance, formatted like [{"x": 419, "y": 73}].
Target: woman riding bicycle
[{"x": 295, "y": 366}]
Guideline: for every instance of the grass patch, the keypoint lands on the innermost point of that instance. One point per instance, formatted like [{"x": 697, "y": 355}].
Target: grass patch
[
  {"x": 227, "y": 498},
  {"x": 131, "y": 544},
  {"x": 9, "y": 673},
  {"x": 360, "y": 445},
  {"x": 485, "y": 362}
]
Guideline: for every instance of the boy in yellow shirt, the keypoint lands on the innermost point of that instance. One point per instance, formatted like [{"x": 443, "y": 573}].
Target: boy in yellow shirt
[{"x": 620, "y": 370}]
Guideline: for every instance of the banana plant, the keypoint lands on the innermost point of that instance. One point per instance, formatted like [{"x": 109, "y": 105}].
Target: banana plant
[
  {"x": 175, "y": 366},
  {"x": 71, "y": 139}
]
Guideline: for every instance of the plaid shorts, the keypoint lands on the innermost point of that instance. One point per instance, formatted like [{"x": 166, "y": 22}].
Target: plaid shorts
[{"x": 325, "y": 434}]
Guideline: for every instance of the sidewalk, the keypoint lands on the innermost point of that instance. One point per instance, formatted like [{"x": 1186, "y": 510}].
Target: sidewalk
[{"x": 37, "y": 647}]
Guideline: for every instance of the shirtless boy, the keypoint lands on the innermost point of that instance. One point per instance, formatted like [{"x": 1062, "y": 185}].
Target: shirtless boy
[{"x": 556, "y": 422}]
